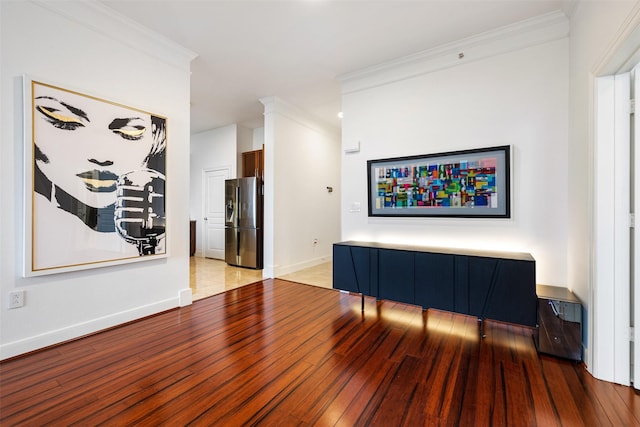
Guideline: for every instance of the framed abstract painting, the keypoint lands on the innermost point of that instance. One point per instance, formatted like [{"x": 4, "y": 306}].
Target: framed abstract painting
[
  {"x": 95, "y": 178},
  {"x": 468, "y": 184}
]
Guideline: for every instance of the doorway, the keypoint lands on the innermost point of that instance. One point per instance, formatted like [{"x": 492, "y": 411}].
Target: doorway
[
  {"x": 213, "y": 215},
  {"x": 616, "y": 302}
]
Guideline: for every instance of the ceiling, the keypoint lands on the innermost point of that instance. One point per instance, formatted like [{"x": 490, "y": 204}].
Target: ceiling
[{"x": 297, "y": 49}]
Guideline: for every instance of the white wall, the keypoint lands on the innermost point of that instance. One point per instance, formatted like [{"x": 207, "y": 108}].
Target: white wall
[
  {"x": 212, "y": 149},
  {"x": 302, "y": 158},
  {"x": 245, "y": 143},
  {"x": 99, "y": 53},
  {"x": 519, "y": 99},
  {"x": 258, "y": 138}
]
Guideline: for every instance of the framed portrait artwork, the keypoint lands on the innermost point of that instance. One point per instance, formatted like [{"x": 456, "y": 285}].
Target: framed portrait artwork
[
  {"x": 95, "y": 179},
  {"x": 469, "y": 183}
]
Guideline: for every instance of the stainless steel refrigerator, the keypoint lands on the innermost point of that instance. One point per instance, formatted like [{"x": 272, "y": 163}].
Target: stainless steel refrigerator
[{"x": 243, "y": 222}]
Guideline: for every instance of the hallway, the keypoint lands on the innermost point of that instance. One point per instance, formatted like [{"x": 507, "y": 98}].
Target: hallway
[{"x": 212, "y": 276}]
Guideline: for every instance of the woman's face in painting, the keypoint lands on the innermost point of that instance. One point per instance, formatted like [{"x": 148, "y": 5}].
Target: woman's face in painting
[{"x": 85, "y": 144}]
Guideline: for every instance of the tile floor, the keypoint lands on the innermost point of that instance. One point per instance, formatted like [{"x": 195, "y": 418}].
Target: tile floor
[
  {"x": 211, "y": 276},
  {"x": 319, "y": 275}
]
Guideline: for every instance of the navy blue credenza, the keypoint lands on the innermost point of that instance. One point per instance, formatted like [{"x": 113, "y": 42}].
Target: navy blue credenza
[{"x": 486, "y": 284}]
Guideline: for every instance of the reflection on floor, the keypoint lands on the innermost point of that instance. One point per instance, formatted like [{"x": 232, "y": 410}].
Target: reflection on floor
[{"x": 211, "y": 276}]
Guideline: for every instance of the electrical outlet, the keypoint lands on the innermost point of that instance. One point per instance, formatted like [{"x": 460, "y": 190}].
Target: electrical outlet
[{"x": 16, "y": 299}]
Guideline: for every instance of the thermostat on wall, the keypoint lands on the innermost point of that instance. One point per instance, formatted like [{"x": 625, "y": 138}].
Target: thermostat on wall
[{"x": 353, "y": 148}]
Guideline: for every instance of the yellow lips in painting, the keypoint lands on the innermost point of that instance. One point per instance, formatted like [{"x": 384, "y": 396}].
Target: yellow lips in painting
[
  {"x": 96, "y": 183},
  {"x": 99, "y": 181}
]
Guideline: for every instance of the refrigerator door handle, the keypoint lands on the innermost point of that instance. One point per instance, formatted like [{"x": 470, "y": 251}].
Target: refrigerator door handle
[
  {"x": 238, "y": 247},
  {"x": 238, "y": 207}
]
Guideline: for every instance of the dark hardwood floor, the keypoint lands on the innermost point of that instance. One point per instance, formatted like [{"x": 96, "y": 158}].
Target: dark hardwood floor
[{"x": 281, "y": 353}]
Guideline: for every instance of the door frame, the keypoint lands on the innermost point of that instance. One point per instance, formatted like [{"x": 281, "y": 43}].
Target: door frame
[
  {"x": 612, "y": 249},
  {"x": 609, "y": 313}
]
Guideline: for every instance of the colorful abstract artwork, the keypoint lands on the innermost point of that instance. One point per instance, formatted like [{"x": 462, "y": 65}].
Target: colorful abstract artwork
[{"x": 464, "y": 183}]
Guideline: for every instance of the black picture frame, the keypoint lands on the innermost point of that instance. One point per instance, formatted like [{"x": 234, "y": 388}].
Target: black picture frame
[{"x": 474, "y": 183}]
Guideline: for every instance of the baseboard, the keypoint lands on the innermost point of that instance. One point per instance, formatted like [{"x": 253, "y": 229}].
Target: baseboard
[
  {"x": 586, "y": 359},
  {"x": 283, "y": 270},
  {"x": 185, "y": 297},
  {"x": 78, "y": 330}
]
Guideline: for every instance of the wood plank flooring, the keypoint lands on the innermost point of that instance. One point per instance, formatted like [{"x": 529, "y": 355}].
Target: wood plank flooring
[{"x": 282, "y": 353}]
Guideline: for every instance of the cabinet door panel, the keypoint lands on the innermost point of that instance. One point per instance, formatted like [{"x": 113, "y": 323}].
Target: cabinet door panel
[
  {"x": 395, "y": 280},
  {"x": 351, "y": 269},
  {"x": 434, "y": 281},
  {"x": 481, "y": 274},
  {"x": 252, "y": 163},
  {"x": 373, "y": 273},
  {"x": 461, "y": 284},
  {"x": 513, "y": 298}
]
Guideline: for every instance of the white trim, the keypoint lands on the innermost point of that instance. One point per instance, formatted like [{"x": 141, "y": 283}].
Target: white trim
[
  {"x": 104, "y": 20},
  {"x": 605, "y": 296},
  {"x": 636, "y": 239},
  {"x": 61, "y": 335},
  {"x": 185, "y": 297},
  {"x": 589, "y": 322},
  {"x": 273, "y": 104},
  {"x": 545, "y": 28},
  {"x": 610, "y": 304},
  {"x": 622, "y": 244},
  {"x": 569, "y": 7},
  {"x": 603, "y": 306},
  {"x": 623, "y": 53},
  {"x": 292, "y": 268}
]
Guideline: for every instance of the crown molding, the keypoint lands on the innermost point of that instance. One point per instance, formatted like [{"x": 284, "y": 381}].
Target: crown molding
[
  {"x": 542, "y": 29},
  {"x": 103, "y": 20},
  {"x": 623, "y": 53},
  {"x": 569, "y": 7},
  {"x": 275, "y": 105}
]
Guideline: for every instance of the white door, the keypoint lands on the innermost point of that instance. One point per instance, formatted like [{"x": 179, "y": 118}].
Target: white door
[{"x": 213, "y": 204}]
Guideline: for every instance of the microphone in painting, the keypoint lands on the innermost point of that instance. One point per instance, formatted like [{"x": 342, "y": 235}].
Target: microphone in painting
[{"x": 140, "y": 209}]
